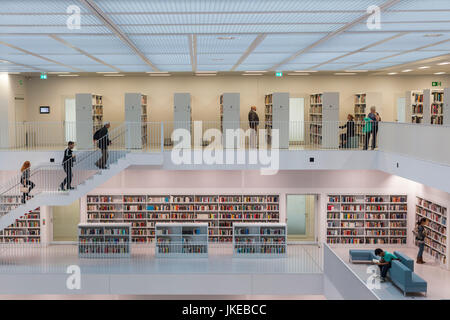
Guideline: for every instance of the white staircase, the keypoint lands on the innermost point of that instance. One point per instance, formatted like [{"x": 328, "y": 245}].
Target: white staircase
[{"x": 86, "y": 177}]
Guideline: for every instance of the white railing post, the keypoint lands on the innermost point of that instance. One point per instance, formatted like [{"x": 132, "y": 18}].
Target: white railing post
[{"x": 162, "y": 136}]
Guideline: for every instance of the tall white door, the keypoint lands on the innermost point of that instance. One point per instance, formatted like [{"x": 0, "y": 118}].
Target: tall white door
[
  {"x": 300, "y": 213},
  {"x": 70, "y": 118},
  {"x": 401, "y": 109},
  {"x": 297, "y": 120}
]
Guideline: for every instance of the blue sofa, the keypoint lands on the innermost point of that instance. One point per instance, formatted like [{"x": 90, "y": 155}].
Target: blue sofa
[
  {"x": 405, "y": 279},
  {"x": 401, "y": 272}
]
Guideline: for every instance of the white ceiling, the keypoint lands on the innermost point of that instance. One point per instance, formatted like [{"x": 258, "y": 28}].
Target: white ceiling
[{"x": 219, "y": 35}]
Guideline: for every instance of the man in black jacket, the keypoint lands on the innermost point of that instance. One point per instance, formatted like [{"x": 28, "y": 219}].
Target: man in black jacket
[
  {"x": 67, "y": 163},
  {"x": 103, "y": 142},
  {"x": 253, "y": 121}
]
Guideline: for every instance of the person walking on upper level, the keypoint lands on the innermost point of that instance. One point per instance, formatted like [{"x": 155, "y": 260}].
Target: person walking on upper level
[
  {"x": 420, "y": 238},
  {"x": 253, "y": 122},
  {"x": 26, "y": 184}
]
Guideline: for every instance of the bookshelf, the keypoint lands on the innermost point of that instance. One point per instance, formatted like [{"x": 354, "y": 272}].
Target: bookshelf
[
  {"x": 433, "y": 106},
  {"x": 324, "y": 119},
  {"x": 259, "y": 239},
  {"x": 436, "y": 239},
  {"x": 230, "y": 118},
  {"x": 363, "y": 103},
  {"x": 181, "y": 239},
  {"x": 414, "y": 106},
  {"x": 104, "y": 240},
  {"x": 219, "y": 211},
  {"x": 276, "y": 116},
  {"x": 367, "y": 219},
  {"x": 89, "y": 118},
  {"x": 136, "y": 118}
]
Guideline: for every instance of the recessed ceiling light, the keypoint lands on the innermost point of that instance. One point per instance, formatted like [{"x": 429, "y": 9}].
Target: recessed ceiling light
[
  {"x": 305, "y": 71},
  {"x": 225, "y": 38},
  {"x": 443, "y": 63},
  {"x": 345, "y": 74},
  {"x": 356, "y": 70},
  {"x": 4, "y": 61},
  {"x": 158, "y": 72},
  {"x": 58, "y": 72},
  {"x": 114, "y": 75},
  {"x": 252, "y": 74},
  {"x": 392, "y": 73},
  {"x": 298, "y": 74},
  {"x": 255, "y": 71},
  {"x": 108, "y": 72},
  {"x": 432, "y": 35},
  {"x": 407, "y": 70},
  {"x": 424, "y": 67},
  {"x": 205, "y": 72},
  {"x": 440, "y": 73},
  {"x": 68, "y": 75},
  {"x": 160, "y": 75}
]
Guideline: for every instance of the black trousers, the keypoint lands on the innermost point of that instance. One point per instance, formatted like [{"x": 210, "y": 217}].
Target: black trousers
[
  {"x": 68, "y": 180},
  {"x": 30, "y": 186},
  {"x": 384, "y": 269}
]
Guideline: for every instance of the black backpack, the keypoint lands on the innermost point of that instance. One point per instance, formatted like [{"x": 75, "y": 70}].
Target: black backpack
[{"x": 97, "y": 135}]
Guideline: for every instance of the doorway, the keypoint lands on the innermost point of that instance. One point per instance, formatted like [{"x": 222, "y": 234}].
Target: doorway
[
  {"x": 65, "y": 222},
  {"x": 21, "y": 131},
  {"x": 401, "y": 109},
  {"x": 301, "y": 214},
  {"x": 296, "y": 120},
  {"x": 70, "y": 119}
]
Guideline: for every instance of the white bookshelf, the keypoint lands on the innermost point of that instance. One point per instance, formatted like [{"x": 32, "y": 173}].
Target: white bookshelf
[
  {"x": 89, "y": 118},
  {"x": 259, "y": 239},
  {"x": 136, "y": 118},
  {"x": 324, "y": 119},
  {"x": 433, "y": 106},
  {"x": 367, "y": 219},
  {"x": 436, "y": 241},
  {"x": 276, "y": 116},
  {"x": 104, "y": 240},
  {"x": 218, "y": 210},
  {"x": 363, "y": 103},
  {"x": 414, "y": 106},
  {"x": 181, "y": 239},
  {"x": 230, "y": 118}
]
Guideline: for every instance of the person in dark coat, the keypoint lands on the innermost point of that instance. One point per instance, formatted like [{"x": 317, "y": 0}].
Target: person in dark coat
[
  {"x": 375, "y": 117},
  {"x": 350, "y": 126},
  {"x": 67, "y": 163},
  {"x": 103, "y": 142},
  {"x": 253, "y": 122}
]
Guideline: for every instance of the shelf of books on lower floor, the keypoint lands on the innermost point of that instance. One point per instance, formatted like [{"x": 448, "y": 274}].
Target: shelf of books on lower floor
[
  {"x": 181, "y": 239},
  {"x": 104, "y": 240},
  {"x": 367, "y": 219},
  {"x": 26, "y": 229},
  {"x": 436, "y": 228},
  {"x": 219, "y": 211},
  {"x": 255, "y": 239}
]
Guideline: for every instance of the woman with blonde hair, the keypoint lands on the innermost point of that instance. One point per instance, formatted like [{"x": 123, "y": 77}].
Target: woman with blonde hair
[{"x": 27, "y": 184}]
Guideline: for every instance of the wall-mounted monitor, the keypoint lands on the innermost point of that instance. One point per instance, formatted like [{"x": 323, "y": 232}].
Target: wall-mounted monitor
[{"x": 44, "y": 110}]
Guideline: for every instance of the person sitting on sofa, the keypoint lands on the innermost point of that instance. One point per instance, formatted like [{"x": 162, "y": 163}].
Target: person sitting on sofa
[{"x": 385, "y": 262}]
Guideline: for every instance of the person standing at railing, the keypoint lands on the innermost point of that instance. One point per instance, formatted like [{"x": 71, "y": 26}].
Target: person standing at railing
[
  {"x": 420, "y": 234},
  {"x": 253, "y": 121},
  {"x": 375, "y": 117},
  {"x": 347, "y": 138},
  {"x": 67, "y": 163},
  {"x": 102, "y": 137},
  {"x": 27, "y": 184}
]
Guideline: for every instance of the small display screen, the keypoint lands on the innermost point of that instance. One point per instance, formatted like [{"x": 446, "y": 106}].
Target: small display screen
[{"x": 44, "y": 110}]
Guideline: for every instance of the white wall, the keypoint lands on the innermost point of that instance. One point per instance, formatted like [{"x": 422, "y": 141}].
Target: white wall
[
  {"x": 138, "y": 181},
  {"x": 205, "y": 92}
]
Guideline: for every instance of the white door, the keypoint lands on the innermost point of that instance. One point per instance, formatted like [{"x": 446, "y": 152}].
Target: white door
[
  {"x": 70, "y": 119},
  {"x": 296, "y": 120},
  {"x": 300, "y": 212},
  {"x": 21, "y": 133},
  {"x": 401, "y": 110}
]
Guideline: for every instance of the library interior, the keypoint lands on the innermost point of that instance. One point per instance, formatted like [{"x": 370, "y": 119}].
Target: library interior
[{"x": 225, "y": 149}]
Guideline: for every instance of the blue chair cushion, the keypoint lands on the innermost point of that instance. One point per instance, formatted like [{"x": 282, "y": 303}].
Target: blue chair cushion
[
  {"x": 407, "y": 261},
  {"x": 361, "y": 255}
]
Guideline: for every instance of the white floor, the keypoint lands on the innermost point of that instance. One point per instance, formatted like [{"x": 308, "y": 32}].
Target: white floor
[{"x": 438, "y": 279}]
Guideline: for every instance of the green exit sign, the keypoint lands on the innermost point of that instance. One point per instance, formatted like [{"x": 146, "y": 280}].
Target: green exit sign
[
  {"x": 437, "y": 84},
  {"x": 43, "y": 76},
  {"x": 278, "y": 74}
]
